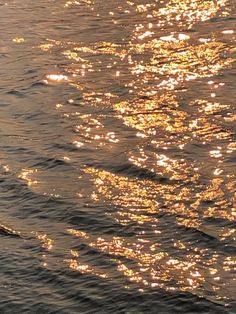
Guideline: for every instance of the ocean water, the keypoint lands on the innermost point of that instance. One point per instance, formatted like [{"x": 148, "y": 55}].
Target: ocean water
[{"x": 118, "y": 156}]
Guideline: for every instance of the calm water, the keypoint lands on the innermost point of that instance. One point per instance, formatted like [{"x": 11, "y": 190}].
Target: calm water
[{"x": 118, "y": 156}]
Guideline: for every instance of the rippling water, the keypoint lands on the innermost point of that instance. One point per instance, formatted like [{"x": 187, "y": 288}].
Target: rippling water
[{"x": 118, "y": 155}]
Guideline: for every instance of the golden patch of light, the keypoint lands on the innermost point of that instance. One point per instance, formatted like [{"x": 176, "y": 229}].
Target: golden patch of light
[
  {"x": 213, "y": 192},
  {"x": 140, "y": 8},
  {"x": 223, "y": 213},
  {"x": 230, "y": 263},
  {"x": 136, "y": 199},
  {"x": 72, "y": 114},
  {"x": 209, "y": 108},
  {"x": 77, "y": 2},
  {"x": 120, "y": 248},
  {"x": 73, "y": 56},
  {"x": 132, "y": 196},
  {"x": 217, "y": 172},
  {"x": 98, "y": 99},
  {"x": 75, "y": 265},
  {"x": 163, "y": 165},
  {"x": 26, "y": 176},
  {"x": 93, "y": 130},
  {"x": 145, "y": 34},
  {"x": 168, "y": 38},
  {"x": 147, "y": 114},
  {"x": 46, "y": 47},
  {"x": 174, "y": 62},
  {"x": 231, "y": 185},
  {"x": 175, "y": 38},
  {"x": 47, "y": 243},
  {"x": 188, "y": 12},
  {"x": 231, "y": 147},
  {"x": 18, "y": 40},
  {"x": 6, "y": 168},
  {"x": 230, "y": 118},
  {"x": 106, "y": 48},
  {"x": 182, "y": 63},
  {"x": 74, "y": 253},
  {"x": 191, "y": 222},
  {"x": 218, "y": 206},
  {"x": 189, "y": 62},
  {"x": 228, "y": 233},
  {"x": 228, "y": 31},
  {"x": 133, "y": 276},
  {"x": 52, "y": 194},
  {"x": 155, "y": 268},
  {"x": 82, "y": 65},
  {"x": 205, "y": 130},
  {"x": 124, "y": 218},
  {"x": 78, "y": 144},
  {"x": 70, "y": 3},
  {"x": 182, "y": 36},
  {"x": 78, "y": 233},
  {"x": 58, "y": 78},
  {"x": 216, "y": 153},
  {"x": 58, "y": 106},
  {"x": 177, "y": 14},
  {"x": 7, "y": 230},
  {"x": 49, "y": 44}
]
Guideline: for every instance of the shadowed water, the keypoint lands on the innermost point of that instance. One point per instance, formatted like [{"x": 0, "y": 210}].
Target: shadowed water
[{"x": 118, "y": 155}]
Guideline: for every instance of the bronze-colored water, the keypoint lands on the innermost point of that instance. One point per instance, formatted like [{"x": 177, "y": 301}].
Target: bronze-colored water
[{"x": 118, "y": 155}]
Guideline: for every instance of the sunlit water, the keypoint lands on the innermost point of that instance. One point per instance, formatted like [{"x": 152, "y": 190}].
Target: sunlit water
[{"x": 118, "y": 156}]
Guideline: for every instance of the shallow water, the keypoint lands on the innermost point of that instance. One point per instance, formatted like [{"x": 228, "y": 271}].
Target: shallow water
[{"x": 118, "y": 155}]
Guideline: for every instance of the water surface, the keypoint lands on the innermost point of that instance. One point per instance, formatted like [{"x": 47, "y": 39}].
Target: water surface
[{"x": 118, "y": 155}]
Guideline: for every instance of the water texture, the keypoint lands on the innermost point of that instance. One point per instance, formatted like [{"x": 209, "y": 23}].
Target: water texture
[{"x": 118, "y": 156}]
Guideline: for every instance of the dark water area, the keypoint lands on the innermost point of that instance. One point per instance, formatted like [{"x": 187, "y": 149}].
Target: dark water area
[{"x": 118, "y": 156}]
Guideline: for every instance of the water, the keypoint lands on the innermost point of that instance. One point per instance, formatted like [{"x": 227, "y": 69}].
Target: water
[{"x": 118, "y": 155}]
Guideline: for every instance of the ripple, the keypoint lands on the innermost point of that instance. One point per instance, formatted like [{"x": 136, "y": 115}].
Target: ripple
[{"x": 117, "y": 156}]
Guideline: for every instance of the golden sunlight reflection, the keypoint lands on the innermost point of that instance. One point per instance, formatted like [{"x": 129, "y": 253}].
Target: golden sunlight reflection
[
  {"x": 26, "y": 175},
  {"x": 138, "y": 201},
  {"x": 182, "y": 13},
  {"x": 157, "y": 92},
  {"x": 92, "y": 130},
  {"x": 18, "y": 40},
  {"x": 77, "y": 2},
  {"x": 155, "y": 267},
  {"x": 148, "y": 113},
  {"x": 47, "y": 243},
  {"x": 84, "y": 268},
  {"x": 183, "y": 62},
  {"x": 56, "y": 78}
]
